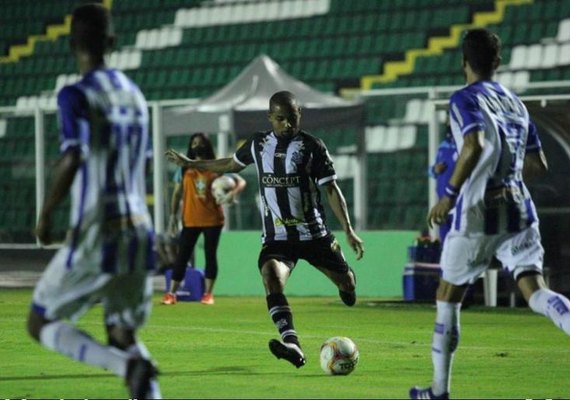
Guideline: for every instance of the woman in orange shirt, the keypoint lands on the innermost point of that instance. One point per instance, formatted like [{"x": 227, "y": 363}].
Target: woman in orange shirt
[{"x": 200, "y": 215}]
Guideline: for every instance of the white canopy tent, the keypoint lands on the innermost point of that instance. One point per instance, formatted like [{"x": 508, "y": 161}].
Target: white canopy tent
[{"x": 241, "y": 106}]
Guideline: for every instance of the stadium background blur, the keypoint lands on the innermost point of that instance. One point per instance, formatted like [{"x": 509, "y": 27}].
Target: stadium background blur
[{"x": 390, "y": 54}]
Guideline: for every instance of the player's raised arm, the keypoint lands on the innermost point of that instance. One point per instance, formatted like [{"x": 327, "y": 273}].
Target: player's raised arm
[{"x": 220, "y": 165}]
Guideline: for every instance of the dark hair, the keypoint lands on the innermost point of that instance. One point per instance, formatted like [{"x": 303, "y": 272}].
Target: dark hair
[
  {"x": 209, "y": 151},
  {"x": 282, "y": 98},
  {"x": 92, "y": 28},
  {"x": 482, "y": 50}
]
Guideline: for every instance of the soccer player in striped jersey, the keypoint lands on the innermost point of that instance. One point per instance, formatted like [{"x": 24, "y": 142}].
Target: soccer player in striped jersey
[
  {"x": 108, "y": 256},
  {"x": 291, "y": 164},
  {"x": 499, "y": 149}
]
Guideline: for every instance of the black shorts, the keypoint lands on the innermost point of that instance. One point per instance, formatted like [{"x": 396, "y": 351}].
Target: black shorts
[{"x": 323, "y": 253}]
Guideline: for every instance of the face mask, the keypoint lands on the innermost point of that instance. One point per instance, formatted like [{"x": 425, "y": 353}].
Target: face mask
[{"x": 201, "y": 150}]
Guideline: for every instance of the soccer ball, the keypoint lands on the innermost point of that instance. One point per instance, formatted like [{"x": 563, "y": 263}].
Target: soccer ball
[
  {"x": 339, "y": 356},
  {"x": 220, "y": 188}
]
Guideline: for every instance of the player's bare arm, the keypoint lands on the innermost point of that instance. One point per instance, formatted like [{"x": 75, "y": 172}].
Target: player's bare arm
[
  {"x": 535, "y": 165},
  {"x": 220, "y": 166},
  {"x": 338, "y": 205},
  {"x": 65, "y": 171},
  {"x": 468, "y": 158}
]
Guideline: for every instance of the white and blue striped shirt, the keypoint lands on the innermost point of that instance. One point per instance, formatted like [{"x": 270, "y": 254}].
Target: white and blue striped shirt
[
  {"x": 509, "y": 135},
  {"x": 105, "y": 117}
]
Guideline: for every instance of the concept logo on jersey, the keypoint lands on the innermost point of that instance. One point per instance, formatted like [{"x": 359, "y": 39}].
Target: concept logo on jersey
[{"x": 270, "y": 180}]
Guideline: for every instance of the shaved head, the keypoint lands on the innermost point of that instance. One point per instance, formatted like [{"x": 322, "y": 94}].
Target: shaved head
[
  {"x": 283, "y": 98},
  {"x": 284, "y": 114}
]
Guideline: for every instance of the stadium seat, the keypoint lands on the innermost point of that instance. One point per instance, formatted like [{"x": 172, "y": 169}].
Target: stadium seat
[
  {"x": 550, "y": 54},
  {"x": 564, "y": 31},
  {"x": 533, "y": 57},
  {"x": 564, "y": 55},
  {"x": 518, "y": 57}
]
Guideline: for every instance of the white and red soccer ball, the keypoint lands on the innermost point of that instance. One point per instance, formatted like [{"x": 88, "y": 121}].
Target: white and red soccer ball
[{"x": 339, "y": 356}]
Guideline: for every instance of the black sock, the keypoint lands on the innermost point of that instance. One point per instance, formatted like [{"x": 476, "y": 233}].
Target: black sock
[{"x": 282, "y": 317}]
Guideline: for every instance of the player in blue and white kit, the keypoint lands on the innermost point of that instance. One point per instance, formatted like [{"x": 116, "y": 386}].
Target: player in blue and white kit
[
  {"x": 108, "y": 256},
  {"x": 499, "y": 149},
  {"x": 442, "y": 170}
]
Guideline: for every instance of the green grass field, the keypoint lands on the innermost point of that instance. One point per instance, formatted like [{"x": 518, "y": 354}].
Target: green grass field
[{"x": 221, "y": 351}]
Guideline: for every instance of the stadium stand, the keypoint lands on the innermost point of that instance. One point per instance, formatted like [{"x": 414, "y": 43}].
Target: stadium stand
[{"x": 189, "y": 48}]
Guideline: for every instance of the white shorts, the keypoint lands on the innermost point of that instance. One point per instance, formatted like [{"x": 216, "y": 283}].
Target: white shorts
[
  {"x": 466, "y": 256},
  {"x": 67, "y": 291}
]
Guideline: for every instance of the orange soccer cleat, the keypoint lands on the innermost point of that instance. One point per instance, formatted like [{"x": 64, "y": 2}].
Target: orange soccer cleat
[
  {"x": 169, "y": 299},
  {"x": 207, "y": 298}
]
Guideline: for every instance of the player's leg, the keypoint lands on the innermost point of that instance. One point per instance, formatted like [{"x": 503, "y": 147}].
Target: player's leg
[
  {"x": 326, "y": 255},
  {"x": 211, "y": 241},
  {"x": 523, "y": 254},
  {"x": 544, "y": 301},
  {"x": 67, "y": 293},
  {"x": 462, "y": 261},
  {"x": 445, "y": 339},
  {"x": 141, "y": 372},
  {"x": 127, "y": 306},
  {"x": 74, "y": 343},
  {"x": 275, "y": 268},
  {"x": 186, "y": 243}
]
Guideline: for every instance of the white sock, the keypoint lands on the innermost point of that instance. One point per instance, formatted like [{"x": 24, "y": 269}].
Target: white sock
[
  {"x": 139, "y": 349},
  {"x": 444, "y": 343},
  {"x": 552, "y": 305},
  {"x": 74, "y": 343}
]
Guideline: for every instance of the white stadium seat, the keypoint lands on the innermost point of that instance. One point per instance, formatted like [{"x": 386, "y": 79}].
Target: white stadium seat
[
  {"x": 518, "y": 57},
  {"x": 407, "y": 136},
  {"x": 344, "y": 166},
  {"x": 141, "y": 40},
  {"x": 134, "y": 59},
  {"x": 564, "y": 31},
  {"x": 564, "y": 55},
  {"x": 391, "y": 138},
  {"x": 550, "y": 55},
  {"x": 413, "y": 111},
  {"x": 520, "y": 80},
  {"x": 506, "y": 78},
  {"x": 427, "y": 112},
  {"x": 2, "y": 127},
  {"x": 163, "y": 35},
  {"x": 533, "y": 56},
  {"x": 60, "y": 82}
]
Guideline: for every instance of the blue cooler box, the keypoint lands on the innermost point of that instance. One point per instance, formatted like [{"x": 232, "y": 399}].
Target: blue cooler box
[
  {"x": 191, "y": 288},
  {"x": 420, "y": 281}
]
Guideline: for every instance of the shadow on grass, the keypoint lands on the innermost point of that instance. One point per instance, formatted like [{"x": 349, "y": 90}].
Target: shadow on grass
[{"x": 220, "y": 371}]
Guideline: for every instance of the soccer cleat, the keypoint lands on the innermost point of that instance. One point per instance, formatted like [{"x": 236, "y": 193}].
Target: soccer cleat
[
  {"x": 348, "y": 298},
  {"x": 168, "y": 299},
  {"x": 140, "y": 373},
  {"x": 426, "y": 393},
  {"x": 208, "y": 299},
  {"x": 289, "y": 351}
]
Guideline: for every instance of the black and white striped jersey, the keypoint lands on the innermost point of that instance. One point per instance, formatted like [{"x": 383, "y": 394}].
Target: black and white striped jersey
[{"x": 289, "y": 171}]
